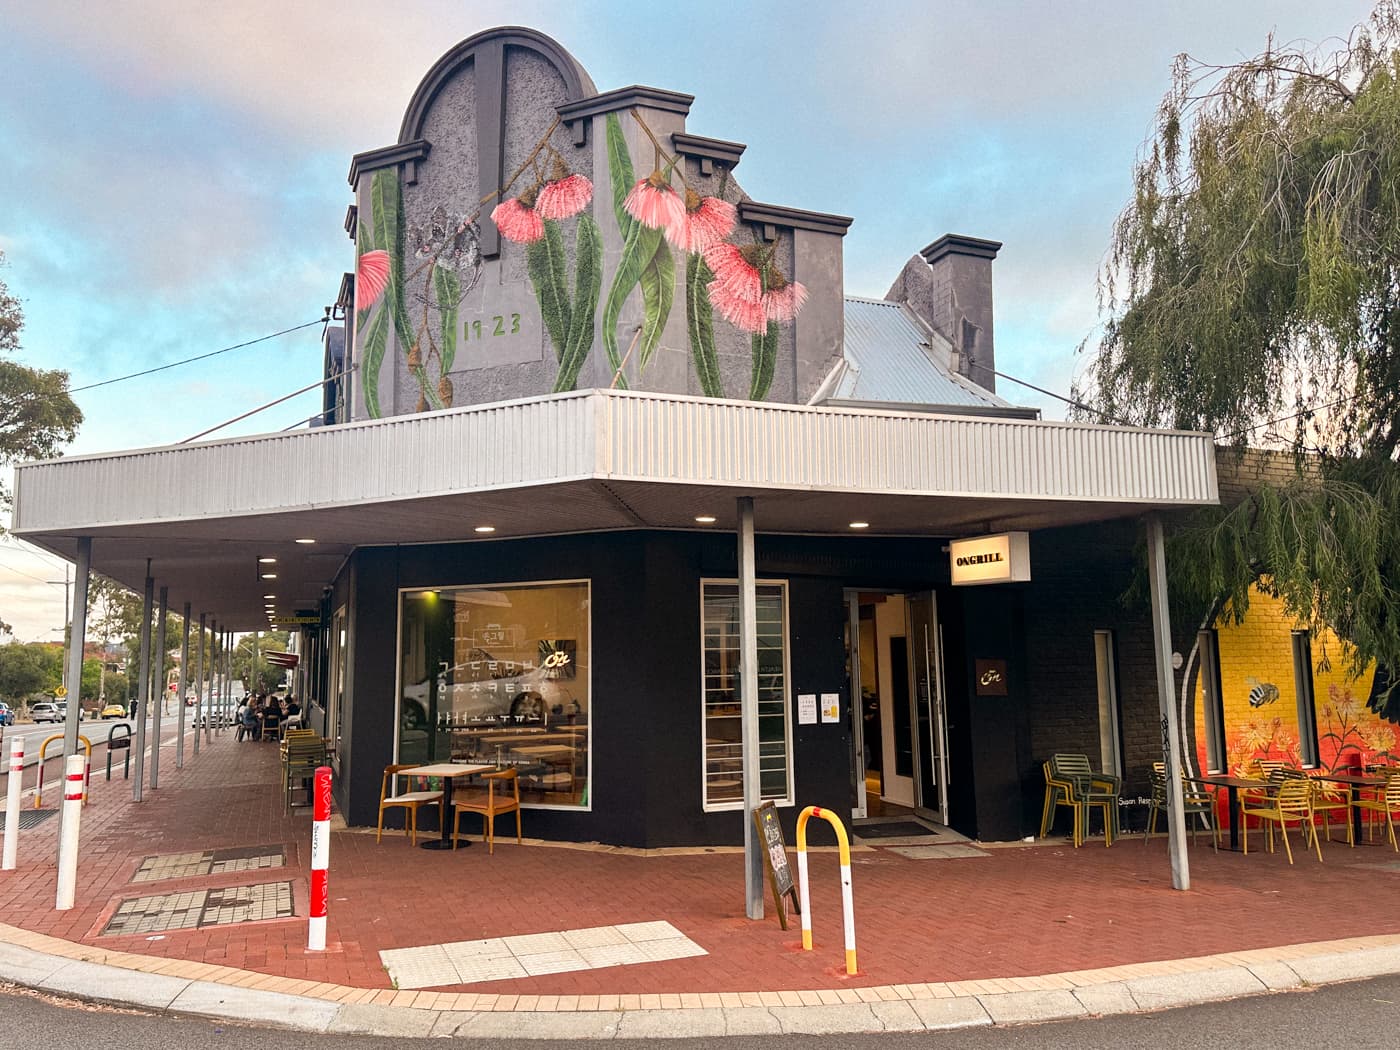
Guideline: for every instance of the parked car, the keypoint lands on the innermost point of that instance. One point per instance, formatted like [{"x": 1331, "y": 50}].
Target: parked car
[
  {"x": 46, "y": 712},
  {"x": 113, "y": 711},
  {"x": 7, "y": 715}
]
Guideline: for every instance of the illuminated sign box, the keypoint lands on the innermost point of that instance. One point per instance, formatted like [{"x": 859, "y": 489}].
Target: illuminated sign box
[{"x": 1003, "y": 558}]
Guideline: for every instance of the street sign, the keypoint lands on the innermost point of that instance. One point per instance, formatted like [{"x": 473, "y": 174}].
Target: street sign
[
  {"x": 60, "y": 692},
  {"x": 295, "y": 620}
]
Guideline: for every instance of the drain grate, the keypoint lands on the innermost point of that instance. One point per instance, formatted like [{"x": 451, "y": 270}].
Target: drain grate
[
  {"x": 209, "y": 862},
  {"x": 29, "y": 818},
  {"x": 200, "y": 908}
]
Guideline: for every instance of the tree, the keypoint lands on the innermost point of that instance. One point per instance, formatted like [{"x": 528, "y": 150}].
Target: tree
[
  {"x": 257, "y": 675},
  {"x": 1252, "y": 290},
  {"x": 37, "y": 416},
  {"x": 26, "y": 670}
]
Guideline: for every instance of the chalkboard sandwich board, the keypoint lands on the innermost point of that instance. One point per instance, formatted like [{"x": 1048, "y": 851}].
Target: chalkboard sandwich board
[{"x": 775, "y": 859}]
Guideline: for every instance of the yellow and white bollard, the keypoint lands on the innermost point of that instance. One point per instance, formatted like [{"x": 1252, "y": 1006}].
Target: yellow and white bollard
[{"x": 847, "y": 904}]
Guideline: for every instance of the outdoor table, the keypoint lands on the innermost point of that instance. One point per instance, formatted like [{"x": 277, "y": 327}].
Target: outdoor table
[
  {"x": 1354, "y": 782},
  {"x": 448, "y": 771},
  {"x": 1233, "y": 785}
]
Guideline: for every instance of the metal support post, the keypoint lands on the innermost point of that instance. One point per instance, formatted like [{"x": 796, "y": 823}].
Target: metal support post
[
  {"x": 76, "y": 638},
  {"x": 199, "y": 705},
  {"x": 143, "y": 693},
  {"x": 748, "y": 679},
  {"x": 180, "y": 696},
  {"x": 159, "y": 691},
  {"x": 1171, "y": 737}
]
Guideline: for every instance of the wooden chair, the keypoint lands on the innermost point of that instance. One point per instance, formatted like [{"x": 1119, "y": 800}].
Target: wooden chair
[
  {"x": 1385, "y": 803},
  {"x": 489, "y": 804},
  {"x": 1292, "y": 800},
  {"x": 411, "y": 801}
]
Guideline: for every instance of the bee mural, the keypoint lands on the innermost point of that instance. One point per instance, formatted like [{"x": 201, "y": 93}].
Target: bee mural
[{"x": 1261, "y": 693}]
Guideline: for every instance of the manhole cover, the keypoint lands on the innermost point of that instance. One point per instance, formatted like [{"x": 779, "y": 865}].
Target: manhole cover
[
  {"x": 200, "y": 908},
  {"x": 29, "y": 818},
  {"x": 209, "y": 862}
]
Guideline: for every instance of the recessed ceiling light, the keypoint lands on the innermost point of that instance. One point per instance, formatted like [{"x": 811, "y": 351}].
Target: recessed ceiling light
[
  {"x": 485, "y": 528},
  {"x": 267, "y": 561},
  {"x": 860, "y": 524},
  {"x": 306, "y": 540},
  {"x": 269, "y": 576},
  {"x": 706, "y": 519},
  {"x": 269, "y": 597}
]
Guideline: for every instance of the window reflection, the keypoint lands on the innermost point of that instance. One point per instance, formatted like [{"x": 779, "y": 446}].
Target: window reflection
[{"x": 500, "y": 674}]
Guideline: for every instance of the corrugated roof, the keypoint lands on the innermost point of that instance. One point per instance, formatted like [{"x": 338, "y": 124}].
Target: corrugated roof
[{"x": 891, "y": 355}]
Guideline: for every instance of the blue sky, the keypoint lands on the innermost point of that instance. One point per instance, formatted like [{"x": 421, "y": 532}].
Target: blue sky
[{"x": 174, "y": 174}]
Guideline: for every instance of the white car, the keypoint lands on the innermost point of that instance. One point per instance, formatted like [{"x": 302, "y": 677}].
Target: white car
[
  {"x": 485, "y": 691},
  {"x": 46, "y": 713}
]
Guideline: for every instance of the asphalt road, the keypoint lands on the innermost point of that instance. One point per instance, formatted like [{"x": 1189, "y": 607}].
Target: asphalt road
[{"x": 1364, "y": 1015}]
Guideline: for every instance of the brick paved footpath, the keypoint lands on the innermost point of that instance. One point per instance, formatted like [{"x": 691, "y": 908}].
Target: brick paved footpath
[{"x": 1021, "y": 912}]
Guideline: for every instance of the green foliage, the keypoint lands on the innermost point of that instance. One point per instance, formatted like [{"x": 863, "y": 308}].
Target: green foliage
[
  {"x": 27, "y": 670},
  {"x": 700, "y": 325},
  {"x": 256, "y": 674},
  {"x": 588, "y": 282},
  {"x": 448, "y": 289},
  {"x": 1253, "y": 291},
  {"x": 658, "y": 295},
  {"x": 37, "y": 416}
]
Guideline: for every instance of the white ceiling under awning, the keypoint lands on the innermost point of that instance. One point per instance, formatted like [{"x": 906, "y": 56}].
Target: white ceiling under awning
[{"x": 589, "y": 461}]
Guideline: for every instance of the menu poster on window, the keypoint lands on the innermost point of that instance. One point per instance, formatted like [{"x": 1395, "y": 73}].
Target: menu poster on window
[
  {"x": 806, "y": 709},
  {"x": 831, "y": 707}
]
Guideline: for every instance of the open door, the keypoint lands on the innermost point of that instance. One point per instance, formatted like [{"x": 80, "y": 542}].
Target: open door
[{"x": 925, "y": 647}]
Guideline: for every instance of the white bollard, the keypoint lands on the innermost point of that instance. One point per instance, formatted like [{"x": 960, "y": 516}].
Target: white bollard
[
  {"x": 320, "y": 858},
  {"x": 16, "y": 785},
  {"x": 68, "y": 843}
]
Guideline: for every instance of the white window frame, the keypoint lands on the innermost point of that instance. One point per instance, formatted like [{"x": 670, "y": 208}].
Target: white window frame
[
  {"x": 787, "y": 799},
  {"x": 1110, "y": 723}
]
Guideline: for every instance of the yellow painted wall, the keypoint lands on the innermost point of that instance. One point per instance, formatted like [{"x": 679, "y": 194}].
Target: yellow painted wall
[{"x": 1259, "y": 651}]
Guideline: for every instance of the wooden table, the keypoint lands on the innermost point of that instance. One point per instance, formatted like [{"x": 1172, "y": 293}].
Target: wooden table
[
  {"x": 1234, "y": 785},
  {"x": 448, "y": 771},
  {"x": 552, "y": 755},
  {"x": 1353, "y": 782}
]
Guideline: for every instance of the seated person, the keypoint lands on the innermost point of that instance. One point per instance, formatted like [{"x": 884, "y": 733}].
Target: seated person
[
  {"x": 293, "y": 709},
  {"x": 251, "y": 721}
]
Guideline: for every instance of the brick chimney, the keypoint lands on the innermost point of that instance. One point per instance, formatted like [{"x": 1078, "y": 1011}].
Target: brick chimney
[{"x": 949, "y": 285}]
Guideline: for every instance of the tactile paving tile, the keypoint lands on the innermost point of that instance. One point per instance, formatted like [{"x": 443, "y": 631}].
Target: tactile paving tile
[
  {"x": 949, "y": 852},
  {"x": 533, "y": 954},
  {"x": 198, "y": 908}
]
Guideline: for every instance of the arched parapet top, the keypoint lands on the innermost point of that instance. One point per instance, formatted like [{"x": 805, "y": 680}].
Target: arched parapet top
[{"x": 577, "y": 83}]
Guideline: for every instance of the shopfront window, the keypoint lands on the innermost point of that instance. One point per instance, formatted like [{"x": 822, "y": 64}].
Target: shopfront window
[
  {"x": 720, "y": 691},
  {"x": 500, "y": 674}
]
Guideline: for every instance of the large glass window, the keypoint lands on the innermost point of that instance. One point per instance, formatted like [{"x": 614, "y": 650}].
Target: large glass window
[
  {"x": 500, "y": 674},
  {"x": 720, "y": 692}
]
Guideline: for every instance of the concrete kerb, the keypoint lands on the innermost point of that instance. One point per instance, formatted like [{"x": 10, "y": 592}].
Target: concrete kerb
[{"x": 83, "y": 972}]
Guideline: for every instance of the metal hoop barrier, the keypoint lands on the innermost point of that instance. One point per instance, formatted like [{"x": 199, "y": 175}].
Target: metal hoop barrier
[
  {"x": 119, "y": 743},
  {"x": 87, "y": 767},
  {"x": 848, "y": 919}
]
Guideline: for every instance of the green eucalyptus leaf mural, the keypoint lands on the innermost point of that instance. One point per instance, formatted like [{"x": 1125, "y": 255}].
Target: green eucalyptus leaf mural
[
  {"x": 658, "y": 293},
  {"x": 548, "y": 268},
  {"x": 588, "y": 283},
  {"x": 620, "y": 170},
  {"x": 637, "y": 252},
  {"x": 448, "y": 290},
  {"x": 375, "y": 341},
  {"x": 765, "y": 356},
  {"x": 700, "y": 324}
]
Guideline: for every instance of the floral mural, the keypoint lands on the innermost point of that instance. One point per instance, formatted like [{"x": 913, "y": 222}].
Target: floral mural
[
  {"x": 1256, "y": 670},
  {"x": 547, "y": 208}
]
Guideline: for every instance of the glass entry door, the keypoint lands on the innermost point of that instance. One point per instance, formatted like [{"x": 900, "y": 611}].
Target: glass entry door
[{"x": 929, "y": 714}]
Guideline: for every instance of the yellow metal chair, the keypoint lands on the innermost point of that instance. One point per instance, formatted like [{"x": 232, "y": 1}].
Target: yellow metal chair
[
  {"x": 1386, "y": 803},
  {"x": 1057, "y": 793},
  {"x": 1291, "y": 800},
  {"x": 1089, "y": 788},
  {"x": 1195, "y": 801}
]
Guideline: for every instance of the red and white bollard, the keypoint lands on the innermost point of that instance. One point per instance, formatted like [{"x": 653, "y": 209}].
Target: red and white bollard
[
  {"x": 68, "y": 842},
  {"x": 16, "y": 778},
  {"x": 320, "y": 857}
]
